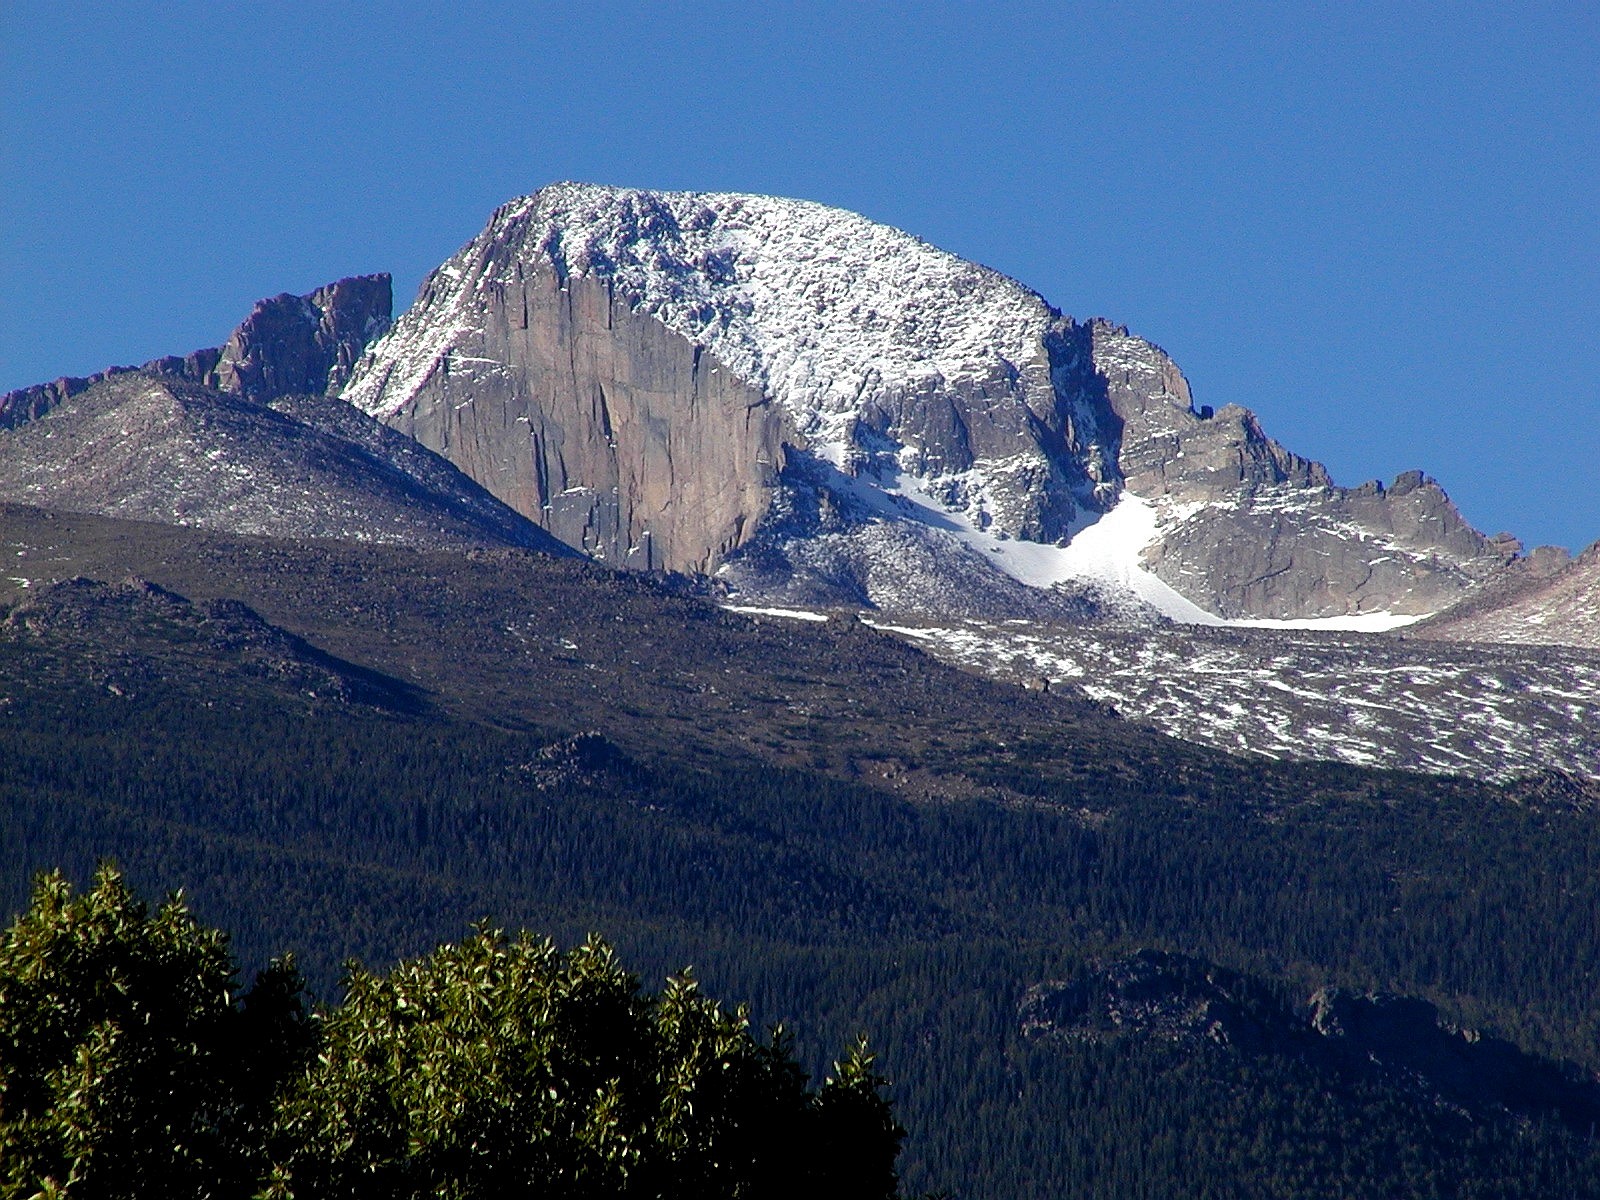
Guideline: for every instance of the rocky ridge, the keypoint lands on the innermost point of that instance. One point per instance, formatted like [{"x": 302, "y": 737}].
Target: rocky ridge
[
  {"x": 1393, "y": 1039},
  {"x": 243, "y": 437},
  {"x": 287, "y": 345},
  {"x": 143, "y": 447},
  {"x": 776, "y": 391},
  {"x": 1554, "y": 602},
  {"x": 1490, "y": 712},
  {"x": 1247, "y": 528}
]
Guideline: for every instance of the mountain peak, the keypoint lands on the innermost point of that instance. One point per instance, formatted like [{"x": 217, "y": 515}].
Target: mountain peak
[
  {"x": 293, "y": 345},
  {"x": 797, "y": 398},
  {"x": 824, "y": 309}
]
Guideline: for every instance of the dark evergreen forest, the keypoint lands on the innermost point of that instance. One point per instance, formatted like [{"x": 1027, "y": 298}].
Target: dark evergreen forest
[{"x": 380, "y": 816}]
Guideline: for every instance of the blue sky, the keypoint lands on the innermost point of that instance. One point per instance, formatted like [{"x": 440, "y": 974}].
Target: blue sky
[{"x": 1375, "y": 224}]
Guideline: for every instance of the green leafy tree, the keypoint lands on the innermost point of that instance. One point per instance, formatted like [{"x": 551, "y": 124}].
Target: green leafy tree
[
  {"x": 502, "y": 1066},
  {"x": 127, "y": 1067},
  {"x": 497, "y": 1066}
]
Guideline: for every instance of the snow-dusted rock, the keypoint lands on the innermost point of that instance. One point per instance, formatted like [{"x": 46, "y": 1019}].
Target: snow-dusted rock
[
  {"x": 1247, "y": 528},
  {"x": 1558, "y": 605},
  {"x": 811, "y": 403},
  {"x": 1490, "y": 712},
  {"x": 142, "y": 447}
]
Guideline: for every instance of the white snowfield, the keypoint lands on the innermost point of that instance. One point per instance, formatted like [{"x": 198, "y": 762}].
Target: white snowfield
[
  {"x": 1108, "y": 552},
  {"x": 825, "y": 311},
  {"x": 1488, "y": 712}
]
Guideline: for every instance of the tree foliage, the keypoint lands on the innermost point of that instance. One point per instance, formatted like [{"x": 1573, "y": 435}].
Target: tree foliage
[
  {"x": 499, "y": 1065},
  {"x": 496, "y": 1066},
  {"x": 835, "y": 906},
  {"x": 127, "y": 1064}
]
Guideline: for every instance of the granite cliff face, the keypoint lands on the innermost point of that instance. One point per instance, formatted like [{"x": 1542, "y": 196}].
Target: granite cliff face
[
  {"x": 811, "y": 404},
  {"x": 603, "y": 321},
  {"x": 241, "y": 437},
  {"x": 616, "y": 434}
]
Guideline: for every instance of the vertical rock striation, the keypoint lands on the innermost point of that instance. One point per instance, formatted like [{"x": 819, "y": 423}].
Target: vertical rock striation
[{"x": 617, "y": 435}]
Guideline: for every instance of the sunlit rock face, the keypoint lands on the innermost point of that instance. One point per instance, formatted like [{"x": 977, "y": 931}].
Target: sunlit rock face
[
  {"x": 288, "y": 345},
  {"x": 616, "y": 434},
  {"x": 1249, "y": 529},
  {"x": 812, "y": 405},
  {"x": 1550, "y": 599}
]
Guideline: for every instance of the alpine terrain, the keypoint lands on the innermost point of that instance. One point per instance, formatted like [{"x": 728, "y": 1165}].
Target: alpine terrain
[
  {"x": 820, "y": 409},
  {"x": 776, "y": 594}
]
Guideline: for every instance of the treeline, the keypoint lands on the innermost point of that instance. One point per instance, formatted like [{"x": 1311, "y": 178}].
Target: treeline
[
  {"x": 834, "y": 907},
  {"x": 495, "y": 1066}
]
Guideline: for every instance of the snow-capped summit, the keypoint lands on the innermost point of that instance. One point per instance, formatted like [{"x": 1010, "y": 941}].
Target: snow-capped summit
[
  {"x": 821, "y": 408},
  {"x": 823, "y": 309},
  {"x": 867, "y": 338}
]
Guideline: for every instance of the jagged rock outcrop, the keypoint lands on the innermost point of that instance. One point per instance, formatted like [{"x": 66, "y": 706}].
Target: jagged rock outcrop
[
  {"x": 288, "y": 345},
  {"x": 1248, "y": 529},
  {"x": 31, "y": 403},
  {"x": 143, "y": 447},
  {"x": 763, "y": 387},
  {"x": 1397, "y": 1040},
  {"x": 292, "y": 345},
  {"x": 242, "y": 437}
]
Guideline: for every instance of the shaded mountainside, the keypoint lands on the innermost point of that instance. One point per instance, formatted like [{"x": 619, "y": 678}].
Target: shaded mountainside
[
  {"x": 568, "y": 645},
  {"x": 564, "y": 644},
  {"x": 148, "y": 448},
  {"x": 133, "y": 634},
  {"x": 597, "y": 354},
  {"x": 1397, "y": 1041},
  {"x": 825, "y": 822}
]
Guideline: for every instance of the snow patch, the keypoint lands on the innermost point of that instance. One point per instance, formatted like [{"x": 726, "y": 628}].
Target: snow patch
[
  {"x": 792, "y": 614},
  {"x": 1373, "y": 622},
  {"x": 832, "y": 315}
]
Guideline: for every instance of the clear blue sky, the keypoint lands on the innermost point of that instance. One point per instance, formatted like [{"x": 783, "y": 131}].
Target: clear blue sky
[{"x": 1375, "y": 224}]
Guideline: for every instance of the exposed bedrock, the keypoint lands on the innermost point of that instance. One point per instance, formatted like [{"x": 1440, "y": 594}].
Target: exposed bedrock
[
  {"x": 1249, "y": 529},
  {"x": 293, "y": 345},
  {"x": 288, "y": 345},
  {"x": 632, "y": 370},
  {"x": 617, "y": 435}
]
